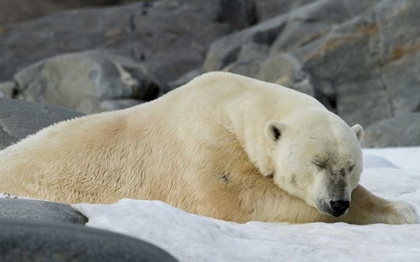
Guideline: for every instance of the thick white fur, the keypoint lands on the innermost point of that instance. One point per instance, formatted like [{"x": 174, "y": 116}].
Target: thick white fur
[{"x": 208, "y": 148}]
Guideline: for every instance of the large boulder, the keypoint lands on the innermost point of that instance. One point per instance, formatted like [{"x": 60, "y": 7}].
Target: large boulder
[
  {"x": 18, "y": 119},
  {"x": 372, "y": 70},
  {"x": 88, "y": 82},
  {"x": 58, "y": 242},
  {"x": 25, "y": 209},
  {"x": 361, "y": 58},
  {"x": 172, "y": 37},
  {"x": 400, "y": 131},
  {"x": 285, "y": 32}
]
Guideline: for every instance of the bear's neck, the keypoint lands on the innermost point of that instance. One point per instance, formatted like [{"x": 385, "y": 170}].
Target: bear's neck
[{"x": 249, "y": 131}]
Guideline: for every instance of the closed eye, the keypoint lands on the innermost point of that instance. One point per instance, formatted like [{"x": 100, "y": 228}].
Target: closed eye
[
  {"x": 351, "y": 168},
  {"x": 320, "y": 164}
]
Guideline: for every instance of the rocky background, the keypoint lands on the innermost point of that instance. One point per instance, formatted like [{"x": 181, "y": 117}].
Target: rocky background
[{"x": 360, "y": 58}]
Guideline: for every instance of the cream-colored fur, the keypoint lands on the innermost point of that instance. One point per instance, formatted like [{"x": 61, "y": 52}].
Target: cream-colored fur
[{"x": 223, "y": 145}]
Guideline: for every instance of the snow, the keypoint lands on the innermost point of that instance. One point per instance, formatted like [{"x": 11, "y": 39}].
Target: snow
[
  {"x": 392, "y": 173},
  {"x": 403, "y": 157}
]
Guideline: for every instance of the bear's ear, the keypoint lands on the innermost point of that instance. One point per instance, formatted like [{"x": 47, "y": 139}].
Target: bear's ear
[
  {"x": 274, "y": 130},
  {"x": 358, "y": 130}
]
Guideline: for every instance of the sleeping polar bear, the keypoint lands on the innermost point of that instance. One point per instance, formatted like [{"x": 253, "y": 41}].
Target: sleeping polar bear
[{"x": 223, "y": 145}]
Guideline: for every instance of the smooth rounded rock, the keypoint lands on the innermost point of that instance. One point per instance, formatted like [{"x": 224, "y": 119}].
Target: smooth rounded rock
[
  {"x": 399, "y": 131},
  {"x": 56, "y": 242},
  {"x": 19, "y": 209},
  {"x": 19, "y": 119},
  {"x": 82, "y": 81}
]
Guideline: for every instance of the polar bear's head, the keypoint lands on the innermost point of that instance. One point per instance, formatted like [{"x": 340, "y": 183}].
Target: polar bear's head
[{"x": 317, "y": 157}]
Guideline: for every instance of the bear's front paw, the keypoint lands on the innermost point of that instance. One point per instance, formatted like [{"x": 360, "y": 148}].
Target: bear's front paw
[{"x": 404, "y": 213}]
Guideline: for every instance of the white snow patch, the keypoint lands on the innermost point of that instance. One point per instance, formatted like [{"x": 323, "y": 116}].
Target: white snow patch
[{"x": 403, "y": 157}]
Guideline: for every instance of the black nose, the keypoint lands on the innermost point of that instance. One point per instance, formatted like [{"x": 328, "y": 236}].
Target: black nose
[{"x": 339, "y": 206}]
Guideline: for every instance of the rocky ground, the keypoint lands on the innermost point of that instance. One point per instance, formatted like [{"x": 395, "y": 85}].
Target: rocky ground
[{"x": 360, "y": 58}]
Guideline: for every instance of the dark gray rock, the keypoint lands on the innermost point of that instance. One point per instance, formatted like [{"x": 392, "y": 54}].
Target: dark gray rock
[
  {"x": 226, "y": 50},
  {"x": 371, "y": 62},
  {"x": 18, "y": 119},
  {"x": 285, "y": 32},
  {"x": 400, "y": 131},
  {"x": 244, "y": 67},
  {"x": 253, "y": 52},
  {"x": 111, "y": 105},
  {"x": 17, "y": 11},
  {"x": 182, "y": 80},
  {"x": 27, "y": 241},
  {"x": 18, "y": 209},
  {"x": 7, "y": 89},
  {"x": 238, "y": 13},
  {"x": 276, "y": 36},
  {"x": 248, "y": 59},
  {"x": 267, "y": 9},
  {"x": 181, "y": 45},
  {"x": 82, "y": 81},
  {"x": 172, "y": 37},
  {"x": 361, "y": 58},
  {"x": 313, "y": 21},
  {"x": 285, "y": 70}
]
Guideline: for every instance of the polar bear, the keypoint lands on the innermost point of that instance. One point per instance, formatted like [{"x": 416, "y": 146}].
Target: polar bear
[{"x": 224, "y": 146}]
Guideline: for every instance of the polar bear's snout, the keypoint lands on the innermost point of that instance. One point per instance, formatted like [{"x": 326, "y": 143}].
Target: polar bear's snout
[
  {"x": 339, "y": 207},
  {"x": 334, "y": 208},
  {"x": 333, "y": 192}
]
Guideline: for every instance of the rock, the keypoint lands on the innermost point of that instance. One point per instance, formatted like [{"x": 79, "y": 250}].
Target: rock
[
  {"x": 132, "y": 1},
  {"x": 238, "y": 13},
  {"x": 313, "y": 21},
  {"x": 248, "y": 59},
  {"x": 18, "y": 209},
  {"x": 137, "y": 30},
  {"x": 18, "y": 11},
  {"x": 284, "y": 32},
  {"x": 182, "y": 80},
  {"x": 173, "y": 66},
  {"x": 398, "y": 131},
  {"x": 361, "y": 58},
  {"x": 252, "y": 52},
  {"x": 82, "y": 81},
  {"x": 267, "y": 9},
  {"x": 7, "y": 89},
  {"x": 226, "y": 50},
  {"x": 244, "y": 67},
  {"x": 56, "y": 242},
  {"x": 287, "y": 71},
  {"x": 337, "y": 64},
  {"x": 18, "y": 119},
  {"x": 379, "y": 74},
  {"x": 111, "y": 105}
]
